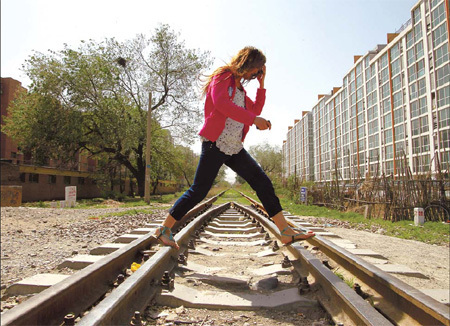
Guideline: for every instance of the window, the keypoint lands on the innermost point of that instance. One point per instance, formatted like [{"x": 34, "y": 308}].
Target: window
[
  {"x": 23, "y": 177},
  {"x": 359, "y": 96},
  {"x": 423, "y": 105},
  {"x": 384, "y": 61},
  {"x": 389, "y": 152},
  {"x": 398, "y": 99},
  {"x": 373, "y": 127},
  {"x": 400, "y": 149},
  {"x": 395, "y": 67},
  {"x": 414, "y": 109},
  {"x": 444, "y": 161},
  {"x": 398, "y": 116},
  {"x": 13, "y": 155},
  {"x": 412, "y": 73},
  {"x": 359, "y": 81},
  {"x": 442, "y": 75},
  {"x": 443, "y": 96},
  {"x": 438, "y": 15},
  {"x": 372, "y": 112},
  {"x": 33, "y": 178},
  {"x": 424, "y": 124},
  {"x": 387, "y": 121},
  {"x": 444, "y": 118},
  {"x": 413, "y": 91},
  {"x": 384, "y": 75},
  {"x": 81, "y": 180},
  {"x": 395, "y": 51},
  {"x": 445, "y": 139},
  {"x": 369, "y": 87},
  {"x": 67, "y": 180},
  {"x": 409, "y": 39},
  {"x": 422, "y": 87},
  {"x": 52, "y": 179},
  {"x": 441, "y": 55},
  {"x": 373, "y": 141},
  {"x": 434, "y": 3},
  {"x": 417, "y": 32},
  {"x": 362, "y": 156},
  {"x": 425, "y": 140},
  {"x": 416, "y": 145},
  {"x": 399, "y": 132},
  {"x": 411, "y": 56},
  {"x": 373, "y": 154},
  {"x": 361, "y": 119},
  {"x": 420, "y": 68},
  {"x": 361, "y": 133},
  {"x": 388, "y": 136},
  {"x": 419, "y": 50},
  {"x": 353, "y": 111},
  {"x": 387, "y": 105},
  {"x": 352, "y": 87},
  {"x": 416, "y": 15},
  {"x": 385, "y": 91},
  {"x": 439, "y": 35},
  {"x": 415, "y": 127},
  {"x": 370, "y": 101}
]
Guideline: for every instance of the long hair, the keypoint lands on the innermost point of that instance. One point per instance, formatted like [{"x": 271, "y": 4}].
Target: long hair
[{"x": 246, "y": 59}]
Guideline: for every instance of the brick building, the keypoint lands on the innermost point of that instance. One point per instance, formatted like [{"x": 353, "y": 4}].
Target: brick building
[{"x": 40, "y": 182}]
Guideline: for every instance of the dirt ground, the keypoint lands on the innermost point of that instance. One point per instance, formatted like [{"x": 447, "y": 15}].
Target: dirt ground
[{"x": 37, "y": 240}]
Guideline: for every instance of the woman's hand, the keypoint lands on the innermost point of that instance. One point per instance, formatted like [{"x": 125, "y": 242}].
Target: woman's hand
[
  {"x": 262, "y": 77},
  {"x": 262, "y": 124}
]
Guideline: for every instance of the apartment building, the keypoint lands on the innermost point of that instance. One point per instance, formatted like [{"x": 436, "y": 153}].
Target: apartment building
[
  {"x": 299, "y": 154},
  {"x": 391, "y": 112}
]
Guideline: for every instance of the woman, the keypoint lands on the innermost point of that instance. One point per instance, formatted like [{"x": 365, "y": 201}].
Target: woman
[{"x": 229, "y": 113}]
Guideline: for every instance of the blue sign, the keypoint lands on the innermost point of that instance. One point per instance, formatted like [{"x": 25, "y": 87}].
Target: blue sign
[{"x": 303, "y": 194}]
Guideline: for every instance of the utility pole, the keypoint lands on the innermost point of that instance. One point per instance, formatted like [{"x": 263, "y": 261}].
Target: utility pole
[{"x": 147, "y": 154}]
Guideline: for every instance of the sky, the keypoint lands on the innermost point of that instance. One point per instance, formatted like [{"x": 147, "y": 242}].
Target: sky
[{"x": 309, "y": 45}]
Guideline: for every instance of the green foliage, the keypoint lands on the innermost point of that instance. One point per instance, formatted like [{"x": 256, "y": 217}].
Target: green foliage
[
  {"x": 268, "y": 156},
  {"x": 430, "y": 232},
  {"x": 86, "y": 100}
]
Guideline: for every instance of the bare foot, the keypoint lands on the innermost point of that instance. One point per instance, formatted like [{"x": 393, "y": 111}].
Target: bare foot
[
  {"x": 164, "y": 235},
  {"x": 290, "y": 235}
]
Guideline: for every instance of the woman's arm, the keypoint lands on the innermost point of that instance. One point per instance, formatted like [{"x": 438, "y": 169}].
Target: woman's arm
[
  {"x": 257, "y": 106},
  {"x": 223, "y": 103}
]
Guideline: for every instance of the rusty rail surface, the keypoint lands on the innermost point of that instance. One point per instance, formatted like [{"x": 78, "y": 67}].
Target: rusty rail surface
[
  {"x": 356, "y": 309},
  {"x": 410, "y": 305},
  {"x": 86, "y": 289},
  {"x": 141, "y": 287},
  {"x": 83, "y": 289}
]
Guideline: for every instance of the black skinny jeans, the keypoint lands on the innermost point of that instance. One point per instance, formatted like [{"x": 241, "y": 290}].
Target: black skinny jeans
[{"x": 211, "y": 159}]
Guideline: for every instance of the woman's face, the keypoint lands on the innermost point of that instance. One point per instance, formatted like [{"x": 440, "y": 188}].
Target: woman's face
[{"x": 252, "y": 73}]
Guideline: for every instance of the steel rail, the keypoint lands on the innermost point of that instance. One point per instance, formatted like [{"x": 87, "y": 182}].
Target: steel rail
[
  {"x": 352, "y": 307},
  {"x": 255, "y": 204},
  {"x": 137, "y": 291},
  {"x": 81, "y": 290},
  {"x": 395, "y": 293},
  {"x": 408, "y": 301}
]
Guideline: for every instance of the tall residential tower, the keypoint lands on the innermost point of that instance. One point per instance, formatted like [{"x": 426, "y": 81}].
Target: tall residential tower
[{"x": 393, "y": 108}]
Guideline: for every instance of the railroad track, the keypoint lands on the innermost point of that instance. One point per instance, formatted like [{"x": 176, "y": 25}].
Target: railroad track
[{"x": 208, "y": 236}]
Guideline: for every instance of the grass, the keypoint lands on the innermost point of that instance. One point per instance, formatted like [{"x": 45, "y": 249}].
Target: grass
[
  {"x": 95, "y": 203},
  {"x": 349, "y": 281},
  {"x": 230, "y": 195},
  {"x": 430, "y": 232}
]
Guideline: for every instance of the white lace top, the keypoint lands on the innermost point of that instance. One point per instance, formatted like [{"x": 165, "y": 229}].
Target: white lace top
[{"x": 230, "y": 140}]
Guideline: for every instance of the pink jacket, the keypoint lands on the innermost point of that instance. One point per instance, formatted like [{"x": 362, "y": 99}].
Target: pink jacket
[{"x": 219, "y": 106}]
